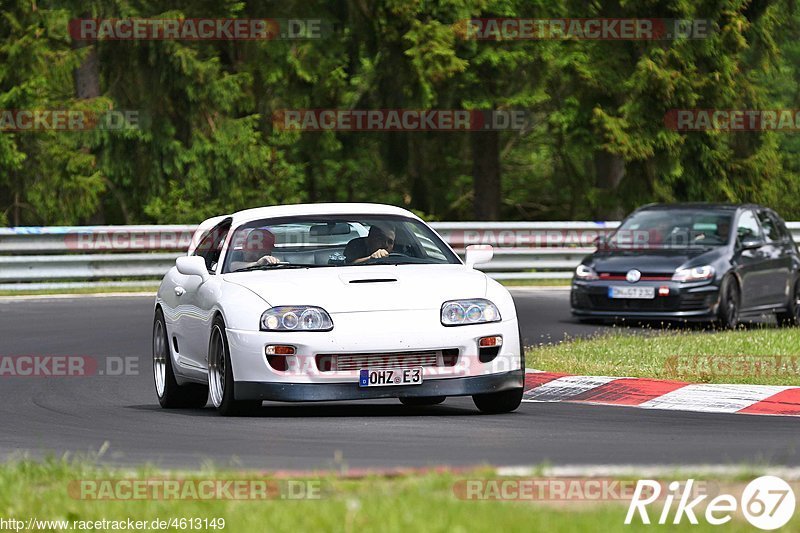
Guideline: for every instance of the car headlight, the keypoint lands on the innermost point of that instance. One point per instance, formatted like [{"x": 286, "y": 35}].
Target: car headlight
[
  {"x": 464, "y": 312},
  {"x": 296, "y": 318},
  {"x": 694, "y": 274},
  {"x": 585, "y": 272}
]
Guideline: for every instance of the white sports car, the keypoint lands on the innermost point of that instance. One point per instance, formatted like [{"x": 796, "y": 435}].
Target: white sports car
[{"x": 332, "y": 302}]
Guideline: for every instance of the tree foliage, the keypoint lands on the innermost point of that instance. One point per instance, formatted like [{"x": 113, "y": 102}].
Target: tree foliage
[{"x": 595, "y": 144}]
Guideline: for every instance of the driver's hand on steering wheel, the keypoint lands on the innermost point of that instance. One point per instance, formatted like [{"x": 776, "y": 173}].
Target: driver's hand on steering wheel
[
  {"x": 377, "y": 254},
  {"x": 267, "y": 260}
]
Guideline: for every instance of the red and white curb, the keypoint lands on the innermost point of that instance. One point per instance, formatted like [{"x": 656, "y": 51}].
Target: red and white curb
[{"x": 662, "y": 394}]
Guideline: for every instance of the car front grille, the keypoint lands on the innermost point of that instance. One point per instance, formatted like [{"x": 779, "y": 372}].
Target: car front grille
[
  {"x": 645, "y": 276},
  {"x": 662, "y": 303},
  {"x": 686, "y": 302},
  {"x": 345, "y": 362}
]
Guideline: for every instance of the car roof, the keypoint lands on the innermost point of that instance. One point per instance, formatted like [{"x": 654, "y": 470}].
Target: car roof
[
  {"x": 700, "y": 205},
  {"x": 277, "y": 211}
]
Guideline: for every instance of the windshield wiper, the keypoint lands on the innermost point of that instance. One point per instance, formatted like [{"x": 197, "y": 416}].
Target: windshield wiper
[{"x": 270, "y": 266}]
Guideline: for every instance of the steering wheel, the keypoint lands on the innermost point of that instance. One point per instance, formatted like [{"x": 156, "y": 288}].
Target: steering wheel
[{"x": 393, "y": 255}]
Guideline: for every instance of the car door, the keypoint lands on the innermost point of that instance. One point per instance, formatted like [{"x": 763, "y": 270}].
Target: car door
[
  {"x": 198, "y": 297},
  {"x": 749, "y": 260},
  {"x": 777, "y": 261}
]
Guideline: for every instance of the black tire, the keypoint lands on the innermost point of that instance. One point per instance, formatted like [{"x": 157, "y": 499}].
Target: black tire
[
  {"x": 170, "y": 394},
  {"x": 498, "y": 402},
  {"x": 422, "y": 401},
  {"x": 219, "y": 356},
  {"x": 791, "y": 317},
  {"x": 729, "y": 304},
  {"x": 495, "y": 403}
]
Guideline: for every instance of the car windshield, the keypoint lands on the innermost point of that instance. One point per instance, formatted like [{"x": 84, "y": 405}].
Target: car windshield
[
  {"x": 673, "y": 228},
  {"x": 334, "y": 241}
]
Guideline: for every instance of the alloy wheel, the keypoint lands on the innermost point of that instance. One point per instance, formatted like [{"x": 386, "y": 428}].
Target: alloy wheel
[
  {"x": 159, "y": 359},
  {"x": 216, "y": 367}
]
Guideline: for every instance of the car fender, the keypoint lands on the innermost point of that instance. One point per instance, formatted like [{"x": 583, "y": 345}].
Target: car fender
[{"x": 240, "y": 307}]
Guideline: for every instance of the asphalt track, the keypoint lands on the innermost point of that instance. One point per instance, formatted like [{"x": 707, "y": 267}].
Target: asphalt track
[{"x": 41, "y": 416}]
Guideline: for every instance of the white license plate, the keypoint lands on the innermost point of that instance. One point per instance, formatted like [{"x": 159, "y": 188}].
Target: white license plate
[
  {"x": 389, "y": 376},
  {"x": 638, "y": 293}
]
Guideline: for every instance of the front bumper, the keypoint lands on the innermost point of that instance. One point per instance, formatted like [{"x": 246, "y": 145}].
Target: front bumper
[
  {"x": 686, "y": 301},
  {"x": 320, "y": 392},
  {"x": 394, "y": 334}
]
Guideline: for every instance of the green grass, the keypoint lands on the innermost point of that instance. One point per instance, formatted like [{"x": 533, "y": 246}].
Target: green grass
[
  {"x": 406, "y": 503},
  {"x": 742, "y": 356}
]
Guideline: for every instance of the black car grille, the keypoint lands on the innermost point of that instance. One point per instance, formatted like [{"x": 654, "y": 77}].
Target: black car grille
[
  {"x": 604, "y": 303},
  {"x": 657, "y": 276},
  {"x": 601, "y": 302},
  {"x": 357, "y": 361},
  {"x": 695, "y": 301}
]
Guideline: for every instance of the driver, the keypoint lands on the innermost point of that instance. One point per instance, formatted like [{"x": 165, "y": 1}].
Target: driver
[
  {"x": 256, "y": 250},
  {"x": 724, "y": 229},
  {"x": 660, "y": 231},
  {"x": 378, "y": 243}
]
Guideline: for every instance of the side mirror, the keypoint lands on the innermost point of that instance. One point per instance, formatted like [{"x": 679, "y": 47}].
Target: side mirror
[
  {"x": 192, "y": 265},
  {"x": 601, "y": 241},
  {"x": 478, "y": 254},
  {"x": 750, "y": 242}
]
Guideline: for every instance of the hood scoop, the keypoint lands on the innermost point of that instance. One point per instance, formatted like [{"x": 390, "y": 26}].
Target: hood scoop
[{"x": 373, "y": 280}]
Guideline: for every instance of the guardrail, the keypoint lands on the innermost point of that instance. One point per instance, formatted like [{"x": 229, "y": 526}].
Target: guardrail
[{"x": 68, "y": 257}]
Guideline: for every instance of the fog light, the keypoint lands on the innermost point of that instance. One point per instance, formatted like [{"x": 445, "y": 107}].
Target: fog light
[
  {"x": 279, "y": 349},
  {"x": 663, "y": 291},
  {"x": 488, "y": 342}
]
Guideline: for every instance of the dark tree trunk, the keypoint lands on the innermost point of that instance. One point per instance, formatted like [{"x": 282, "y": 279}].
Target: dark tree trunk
[
  {"x": 609, "y": 171},
  {"x": 419, "y": 179},
  {"x": 311, "y": 182},
  {"x": 87, "y": 75},
  {"x": 16, "y": 210},
  {"x": 486, "y": 174}
]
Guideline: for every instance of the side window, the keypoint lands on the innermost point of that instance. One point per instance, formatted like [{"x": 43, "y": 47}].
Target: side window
[
  {"x": 428, "y": 247},
  {"x": 786, "y": 236},
  {"x": 771, "y": 233},
  {"x": 211, "y": 244},
  {"x": 747, "y": 226}
]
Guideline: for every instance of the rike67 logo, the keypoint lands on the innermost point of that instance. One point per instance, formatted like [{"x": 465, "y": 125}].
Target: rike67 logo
[{"x": 767, "y": 503}]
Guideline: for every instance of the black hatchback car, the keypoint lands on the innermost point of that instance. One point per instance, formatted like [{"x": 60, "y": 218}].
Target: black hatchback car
[{"x": 706, "y": 262}]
